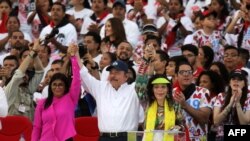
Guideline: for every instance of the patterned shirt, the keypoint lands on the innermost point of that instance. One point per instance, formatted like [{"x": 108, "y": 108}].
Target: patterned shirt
[{"x": 199, "y": 99}]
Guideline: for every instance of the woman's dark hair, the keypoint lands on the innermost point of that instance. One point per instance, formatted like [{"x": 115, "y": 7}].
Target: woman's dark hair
[
  {"x": 223, "y": 71},
  {"x": 150, "y": 92},
  {"x": 209, "y": 56},
  {"x": 216, "y": 80},
  {"x": 57, "y": 76},
  {"x": 118, "y": 31},
  {"x": 224, "y": 11},
  {"x": 242, "y": 99}
]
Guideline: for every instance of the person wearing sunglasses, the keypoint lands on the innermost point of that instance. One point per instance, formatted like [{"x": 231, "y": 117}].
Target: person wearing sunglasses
[{"x": 193, "y": 101}]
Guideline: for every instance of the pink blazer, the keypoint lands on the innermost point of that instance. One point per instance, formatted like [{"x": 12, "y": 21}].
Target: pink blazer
[{"x": 56, "y": 123}]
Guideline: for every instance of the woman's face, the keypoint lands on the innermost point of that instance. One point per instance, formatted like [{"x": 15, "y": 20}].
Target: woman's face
[
  {"x": 205, "y": 82},
  {"x": 236, "y": 83},
  {"x": 108, "y": 29},
  {"x": 170, "y": 69},
  {"x": 12, "y": 24},
  {"x": 160, "y": 91},
  {"x": 215, "y": 6},
  {"x": 4, "y": 7},
  {"x": 58, "y": 88},
  {"x": 105, "y": 61}
]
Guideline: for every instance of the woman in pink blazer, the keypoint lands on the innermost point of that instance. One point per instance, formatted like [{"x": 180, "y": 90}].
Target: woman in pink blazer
[{"x": 54, "y": 116}]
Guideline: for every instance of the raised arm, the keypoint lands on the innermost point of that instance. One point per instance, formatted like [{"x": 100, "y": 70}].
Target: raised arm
[
  {"x": 230, "y": 28},
  {"x": 244, "y": 116},
  {"x": 75, "y": 87}
]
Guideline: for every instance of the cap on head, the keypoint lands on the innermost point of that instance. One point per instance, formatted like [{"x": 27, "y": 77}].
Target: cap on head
[
  {"x": 120, "y": 3},
  {"x": 118, "y": 65},
  {"x": 239, "y": 74},
  {"x": 149, "y": 28}
]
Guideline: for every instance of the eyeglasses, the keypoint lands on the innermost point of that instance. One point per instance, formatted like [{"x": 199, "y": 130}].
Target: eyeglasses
[
  {"x": 185, "y": 72},
  {"x": 230, "y": 55},
  {"x": 60, "y": 85}
]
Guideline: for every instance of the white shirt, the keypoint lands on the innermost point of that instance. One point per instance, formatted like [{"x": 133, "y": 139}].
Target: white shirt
[
  {"x": 117, "y": 110},
  {"x": 3, "y": 104},
  {"x": 88, "y": 21},
  {"x": 131, "y": 30},
  {"x": 97, "y": 59},
  {"x": 191, "y": 3},
  {"x": 80, "y": 14},
  {"x": 67, "y": 34}
]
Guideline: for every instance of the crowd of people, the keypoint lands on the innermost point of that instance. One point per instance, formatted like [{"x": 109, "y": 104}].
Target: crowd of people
[{"x": 173, "y": 65}]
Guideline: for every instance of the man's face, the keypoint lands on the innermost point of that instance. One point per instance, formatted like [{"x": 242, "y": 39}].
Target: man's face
[
  {"x": 124, "y": 51},
  {"x": 119, "y": 12},
  {"x": 10, "y": 64},
  {"x": 90, "y": 43},
  {"x": 57, "y": 13},
  {"x": 185, "y": 75},
  {"x": 55, "y": 68},
  {"x": 231, "y": 58},
  {"x": 117, "y": 78},
  {"x": 17, "y": 40},
  {"x": 190, "y": 56},
  {"x": 98, "y": 6}
]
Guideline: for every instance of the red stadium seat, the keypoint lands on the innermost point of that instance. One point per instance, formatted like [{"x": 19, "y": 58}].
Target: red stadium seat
[
  {"x": 87, "y": 129},
  {"x": 15, "y": 126}
]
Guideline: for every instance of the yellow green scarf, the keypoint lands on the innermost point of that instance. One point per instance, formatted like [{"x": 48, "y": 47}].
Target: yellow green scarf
[{"x": 151, "y": 118}]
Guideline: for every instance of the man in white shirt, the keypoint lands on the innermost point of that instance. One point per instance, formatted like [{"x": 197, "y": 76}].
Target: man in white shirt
[
  {"x": 117, "y": 102},
  {"x": 67, "y": 32}
]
